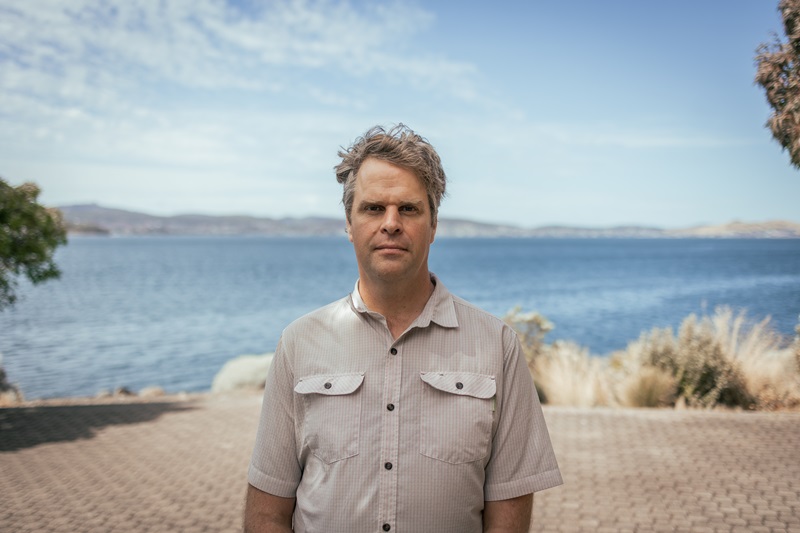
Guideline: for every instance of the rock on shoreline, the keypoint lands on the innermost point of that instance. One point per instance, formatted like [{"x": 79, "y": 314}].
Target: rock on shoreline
[
  {"x": 9, "y": 392},
  {"x": 243, "y": 372}
]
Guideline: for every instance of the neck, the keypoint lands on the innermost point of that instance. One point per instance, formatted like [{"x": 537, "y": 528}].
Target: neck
[{"x": 399, "y": 303}]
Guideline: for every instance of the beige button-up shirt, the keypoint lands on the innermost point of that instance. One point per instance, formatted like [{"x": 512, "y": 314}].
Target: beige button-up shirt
[{"x": 410, "y": 435}]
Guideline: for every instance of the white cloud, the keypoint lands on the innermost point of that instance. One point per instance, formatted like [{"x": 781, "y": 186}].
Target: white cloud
[
  {"x": 201, "y": 83},
  {"x": 208, "y": 44}
]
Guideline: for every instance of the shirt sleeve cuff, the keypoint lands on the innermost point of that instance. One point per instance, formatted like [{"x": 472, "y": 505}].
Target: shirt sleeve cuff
[
  {"x": 520, "y": 487},
  {"x": 271, "y": 485}
]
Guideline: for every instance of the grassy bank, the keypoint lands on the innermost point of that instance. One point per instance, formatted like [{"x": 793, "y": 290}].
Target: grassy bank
[{"x": 723, "y": 359}]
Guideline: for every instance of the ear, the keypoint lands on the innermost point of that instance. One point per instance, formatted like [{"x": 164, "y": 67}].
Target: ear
[
  {"x": 348, "y": 229},
  {"x": 433, "y": 229}
]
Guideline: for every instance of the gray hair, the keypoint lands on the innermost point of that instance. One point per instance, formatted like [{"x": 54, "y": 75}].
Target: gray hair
[{"x": 399, "y": 146}]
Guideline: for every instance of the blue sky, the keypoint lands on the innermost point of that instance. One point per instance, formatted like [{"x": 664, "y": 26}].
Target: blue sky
[{"x": 544, "y": 112}]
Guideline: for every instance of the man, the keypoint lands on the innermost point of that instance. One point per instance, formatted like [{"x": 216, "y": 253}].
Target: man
[{"x": 401, "y": 407}]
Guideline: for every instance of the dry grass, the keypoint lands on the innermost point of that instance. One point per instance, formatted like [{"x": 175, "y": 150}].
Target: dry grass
[
  {"x": 651, "y": 387},
  {"x": 567, "y": 375},
  {"x": 768, "y": 365},
  {"x": 717, "y": 360}
]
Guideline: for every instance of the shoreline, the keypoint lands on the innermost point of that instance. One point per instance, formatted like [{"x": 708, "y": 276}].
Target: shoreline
[
  {"x": 120, "y": 399},
  {"x": 184, "y": 397}
]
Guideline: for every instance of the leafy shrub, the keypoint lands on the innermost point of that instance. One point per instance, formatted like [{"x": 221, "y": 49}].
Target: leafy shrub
[
  {"x": 717, "y": 360},
  {"x": 705, "y": 376},
  {"x": 531, "y": 329},
  {"x": 721, "y": 360}
]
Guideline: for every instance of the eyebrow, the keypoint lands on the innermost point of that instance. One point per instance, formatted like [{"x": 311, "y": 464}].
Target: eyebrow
[{"x": 367, "y": 201}]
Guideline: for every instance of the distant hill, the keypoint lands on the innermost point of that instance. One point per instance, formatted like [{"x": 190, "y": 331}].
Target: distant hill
[
  {"x": 122, "y": 222},
  {"x": 95, "y": 219},
  {"x": 778, "y": 229}
]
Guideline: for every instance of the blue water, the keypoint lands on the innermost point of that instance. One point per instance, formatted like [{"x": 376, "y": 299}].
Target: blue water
[{"x": 169, "y": 311}]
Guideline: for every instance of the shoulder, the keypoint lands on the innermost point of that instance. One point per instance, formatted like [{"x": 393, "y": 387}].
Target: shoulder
[
  {"x": 327, "y": 316},
  {"x": 473, "y": 312},
  {"x": 475, "y": 319}
]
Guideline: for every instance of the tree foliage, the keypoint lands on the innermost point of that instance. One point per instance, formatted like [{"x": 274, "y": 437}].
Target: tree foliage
[
  {"x": 29, "y": 235},
  {"x": 778, "y": 72}
]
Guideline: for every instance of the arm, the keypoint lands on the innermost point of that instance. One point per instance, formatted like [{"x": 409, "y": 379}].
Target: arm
[
  {"x": 265, "y": 513},
  {"x": 508, "y": 516}
]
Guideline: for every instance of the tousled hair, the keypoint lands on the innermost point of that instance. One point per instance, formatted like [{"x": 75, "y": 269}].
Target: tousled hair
[{"x": 400, "y": 146}]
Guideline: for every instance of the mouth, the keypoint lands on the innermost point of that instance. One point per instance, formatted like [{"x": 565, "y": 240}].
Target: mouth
[{"x": 390, "y": 248}]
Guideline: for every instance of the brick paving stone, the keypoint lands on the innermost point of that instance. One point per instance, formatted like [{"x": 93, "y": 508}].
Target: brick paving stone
[{"x": 172, "y": 466}]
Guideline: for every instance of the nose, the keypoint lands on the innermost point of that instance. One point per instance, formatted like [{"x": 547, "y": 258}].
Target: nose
[{"x": 391, "y": 221}]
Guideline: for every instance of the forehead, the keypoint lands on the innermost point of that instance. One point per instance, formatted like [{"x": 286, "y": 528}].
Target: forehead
[{"x": 381, "y": 178}]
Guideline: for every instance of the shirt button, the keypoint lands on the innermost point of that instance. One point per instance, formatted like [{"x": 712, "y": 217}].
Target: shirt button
[
  {"x": 328, "y": 385},
  {"x": 386, "y": 527},
  {"x": 387, "y": 466},
  {"x": 459, "y": 385},
  {"x": 390, "y": 407},
  {"x": 393, "y": 351}
]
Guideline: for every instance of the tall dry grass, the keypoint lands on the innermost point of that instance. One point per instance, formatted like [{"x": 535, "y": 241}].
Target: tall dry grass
[
  {"x": 564, "y": 372},
  {"x": 568, "y": 375},
  {"x": 718, "y": 360}
]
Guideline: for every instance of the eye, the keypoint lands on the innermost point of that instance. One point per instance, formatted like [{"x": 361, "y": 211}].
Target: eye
[
  {"x": 408, "y": 208},
  {"x": 372, "y": 208}
]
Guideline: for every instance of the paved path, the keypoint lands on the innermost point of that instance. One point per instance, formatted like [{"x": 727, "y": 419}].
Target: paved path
[{"x": 168, "y": 466}]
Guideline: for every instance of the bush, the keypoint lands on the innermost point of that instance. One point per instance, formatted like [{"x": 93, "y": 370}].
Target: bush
[
  {"x": 705, "y": 376},
  {"x": 717, "y": 360},
  {"x": 720, "y": 360},
  {"x": 531, "y": 329},
  {"x": 29, "y": 235},
  {"x": 650, "y": 387}
]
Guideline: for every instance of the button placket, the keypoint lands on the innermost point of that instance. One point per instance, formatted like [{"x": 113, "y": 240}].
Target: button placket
[
  {"x": 390, "y": 435},
  {"x": 393, "y": 351}
]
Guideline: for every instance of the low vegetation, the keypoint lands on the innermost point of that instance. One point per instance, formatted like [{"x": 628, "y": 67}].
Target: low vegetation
[{"x": 721, "y": 360}]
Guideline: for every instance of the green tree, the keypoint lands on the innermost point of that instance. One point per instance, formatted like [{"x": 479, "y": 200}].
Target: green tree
[
  {"x": 29, "y": 235},
  {"x": 778, "y": 72}
]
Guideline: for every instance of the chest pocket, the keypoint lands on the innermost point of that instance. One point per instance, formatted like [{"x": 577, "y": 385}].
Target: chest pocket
[
  {"x": 331, "y": 406},
  {"x": 457, "y": 415}
]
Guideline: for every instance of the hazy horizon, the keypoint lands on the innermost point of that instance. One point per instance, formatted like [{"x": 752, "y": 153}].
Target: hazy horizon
[{"x": 474, "y": 220}]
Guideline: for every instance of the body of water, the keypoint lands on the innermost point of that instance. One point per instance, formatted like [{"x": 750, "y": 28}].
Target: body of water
[{"x": 170, "y": 311}]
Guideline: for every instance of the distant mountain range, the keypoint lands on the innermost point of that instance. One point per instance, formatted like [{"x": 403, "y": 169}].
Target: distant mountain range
[{"x": 98, "y": 220}]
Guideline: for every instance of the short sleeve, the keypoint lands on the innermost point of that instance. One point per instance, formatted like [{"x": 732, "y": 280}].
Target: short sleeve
[
  {"x": 274, "y": 466},
  {"x": 523, "y": 460}
]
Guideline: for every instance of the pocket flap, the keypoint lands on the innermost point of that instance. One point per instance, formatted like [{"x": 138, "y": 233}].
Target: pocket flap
[
  {"x": 463, "y": 383},
  {"x": 330, "y": 384}
]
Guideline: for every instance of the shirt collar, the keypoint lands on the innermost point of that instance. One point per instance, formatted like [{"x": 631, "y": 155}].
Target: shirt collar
[{"x": 439, "y": 309}]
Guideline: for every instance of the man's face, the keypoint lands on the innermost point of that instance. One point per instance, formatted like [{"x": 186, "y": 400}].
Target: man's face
[{"x": 390, "y": 223}]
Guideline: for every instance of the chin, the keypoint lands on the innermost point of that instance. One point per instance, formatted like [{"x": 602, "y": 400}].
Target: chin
[{"x": 389, "y": 273}]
